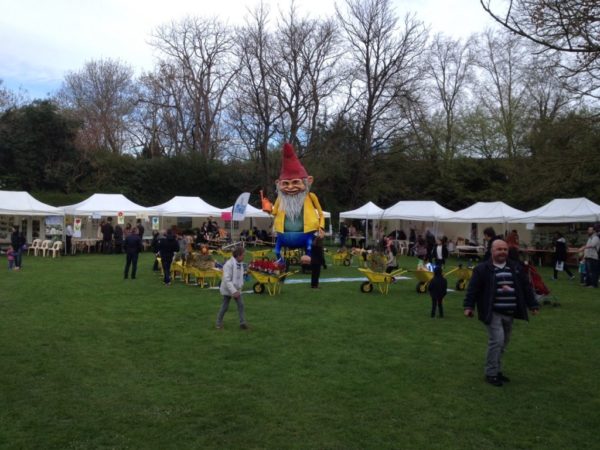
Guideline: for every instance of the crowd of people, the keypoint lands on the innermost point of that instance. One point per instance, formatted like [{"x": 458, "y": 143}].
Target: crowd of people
[{"x": 500, "y": 289}]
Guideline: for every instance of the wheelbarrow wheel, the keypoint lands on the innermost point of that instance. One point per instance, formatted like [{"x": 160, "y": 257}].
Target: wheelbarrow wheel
[
  {"x": 366, "y": 287},
  {"x": 460, "y": 285},
  {"x": 258, "y": 288},
  {"x": 347, "y": 262},
  {"x": 421, "y": 287}
]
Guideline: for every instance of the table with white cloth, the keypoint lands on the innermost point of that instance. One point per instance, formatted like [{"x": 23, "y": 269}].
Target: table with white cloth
[
  {"x": 469, "y": 250},
  {"x": 81, "y": 245}
]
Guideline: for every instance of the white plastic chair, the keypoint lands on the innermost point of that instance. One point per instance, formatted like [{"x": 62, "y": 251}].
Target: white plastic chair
[
  {"x": 55, "y": 249},
  {"x": 45, "y": 247},
  {"x": 35, "y": 246}
]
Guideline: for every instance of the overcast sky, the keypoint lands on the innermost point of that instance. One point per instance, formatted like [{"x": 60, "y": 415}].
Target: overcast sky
[{"x": 42, "y": 40}]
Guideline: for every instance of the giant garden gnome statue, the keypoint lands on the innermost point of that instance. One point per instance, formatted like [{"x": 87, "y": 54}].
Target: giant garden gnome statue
[{"x": 298, "y": 214}]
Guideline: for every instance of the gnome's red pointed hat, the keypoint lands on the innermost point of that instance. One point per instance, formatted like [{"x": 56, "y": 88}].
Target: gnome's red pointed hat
[{"x": 291, "y": 168}]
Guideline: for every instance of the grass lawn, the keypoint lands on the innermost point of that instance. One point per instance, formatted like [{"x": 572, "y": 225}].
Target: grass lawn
[{"x": 89, "y": 360}]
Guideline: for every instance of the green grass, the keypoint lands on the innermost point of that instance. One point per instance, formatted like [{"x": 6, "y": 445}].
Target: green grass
[{"x": 89, "y": 360}]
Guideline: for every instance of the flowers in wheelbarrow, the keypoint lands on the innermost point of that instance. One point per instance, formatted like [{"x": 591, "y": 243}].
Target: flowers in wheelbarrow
[{"x": 268, "y": 267}]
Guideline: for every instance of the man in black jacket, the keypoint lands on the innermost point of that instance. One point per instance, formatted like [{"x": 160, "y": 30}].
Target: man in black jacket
[
  {"x": 133, "y": 247},
  {"x": 501, "y": 292},
  {"x": 167, "y": 247},
  {"x": 17, "y": 240}
]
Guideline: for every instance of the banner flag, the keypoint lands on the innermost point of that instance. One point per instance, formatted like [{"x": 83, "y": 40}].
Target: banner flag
[{"x": 239, "y": 209}]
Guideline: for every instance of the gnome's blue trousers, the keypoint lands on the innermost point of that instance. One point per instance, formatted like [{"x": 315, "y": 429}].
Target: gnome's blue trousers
[{"x": 294, "y": 239}]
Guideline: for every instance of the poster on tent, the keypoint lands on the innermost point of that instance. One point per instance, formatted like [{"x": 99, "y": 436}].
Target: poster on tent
[
  {"x": 155, "y": 224},
  {"x": 77, "y": 224},
  {"x": 121, "y": 218},
  {"x": 54, "y": 228}
]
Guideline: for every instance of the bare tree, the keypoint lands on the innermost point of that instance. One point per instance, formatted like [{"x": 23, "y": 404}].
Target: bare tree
[
  {"x": 547, "y": 90},
  {"x": 449, "y": 65},
  {"x": 253, "y": 110},
  {"x": 10, "y": 99},
  {"x": 305, "y": 76},
  {"x": 103, "y": 95},
  {"x": 571, "y": 27},
  {"x": 197, "y": 52},
  {"x": 501, "y": 87},
  {"x": 165, "y": 112},
  {"x": 386, "y": 64}
]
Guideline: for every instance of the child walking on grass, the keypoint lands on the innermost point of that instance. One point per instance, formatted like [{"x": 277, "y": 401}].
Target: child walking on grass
[
  {"x": 582, "y": 270},
  {"x": 10, "y": 255},
  {"x": 438, "y": 288}
]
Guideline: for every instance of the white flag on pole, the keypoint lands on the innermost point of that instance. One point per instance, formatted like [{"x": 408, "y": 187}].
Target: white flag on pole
[{"x": 239, "y": 209}]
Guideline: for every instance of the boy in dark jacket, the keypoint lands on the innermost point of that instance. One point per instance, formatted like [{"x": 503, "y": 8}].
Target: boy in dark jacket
[{"x": 438, "y": 288}]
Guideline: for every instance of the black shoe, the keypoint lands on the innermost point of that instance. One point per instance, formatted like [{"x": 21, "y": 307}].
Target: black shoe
[
  {"x": 503, "y": 378},
  {"x": 496, "y": 381},
  {"x": 244, "y": 326}
]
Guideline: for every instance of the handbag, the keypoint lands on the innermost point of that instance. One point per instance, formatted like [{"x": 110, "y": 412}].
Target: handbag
[{"x": 560, "y": 266}]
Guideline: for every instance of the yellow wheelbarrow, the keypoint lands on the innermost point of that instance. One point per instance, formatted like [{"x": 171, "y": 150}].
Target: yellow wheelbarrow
[
  {"x": 463, "y": 274},
  {"x": 424, "y": 277},
  {"x": 269, "y": 281},
  {"x": 380, "y": 279},
  {"x": 204, "y": 277},
  {"x": 342, "y": 259}
]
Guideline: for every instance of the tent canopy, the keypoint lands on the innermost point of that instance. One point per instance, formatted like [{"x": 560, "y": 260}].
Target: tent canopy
[
  {"x": 106, "y": 205},
  {"x": 423, "y": 210},
  {"x": 251, "y": 212},
  {"x": 484, "y": 212},
  {"x": 562, "y": 210},
  {"x": 21, "y": 203},
  {"x": 368, "y": 211},
  {"x": 181, "y": 206}
]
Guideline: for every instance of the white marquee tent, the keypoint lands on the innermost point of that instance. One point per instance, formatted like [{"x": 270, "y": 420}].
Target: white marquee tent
[
  {"x": 25, "y": 208},
  {"x": 106, "y": 205},
  {"x": 368, "y": 211},
  {"x": 423, "y": 210},
  {"x": 562, "y": 210},
  {"x": 20, "y": 203},
  {"x": 484, "y": 212},
  {"x": 181, "y": 206}
]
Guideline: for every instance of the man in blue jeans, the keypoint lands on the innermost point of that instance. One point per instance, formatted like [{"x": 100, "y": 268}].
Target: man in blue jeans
[
  {"x": 501, "y": 292},
  {"x": 167, "y": 247},
  {"x": 132, "y": 247},
  {"x": 590, "y": 255}
]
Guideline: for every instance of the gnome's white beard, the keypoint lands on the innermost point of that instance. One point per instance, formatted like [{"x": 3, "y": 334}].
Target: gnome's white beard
[{"x": 292, "y": 204}]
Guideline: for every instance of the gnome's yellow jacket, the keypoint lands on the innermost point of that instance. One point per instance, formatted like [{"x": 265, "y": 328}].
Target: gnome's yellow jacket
[{"x": 313, "y": 214}]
